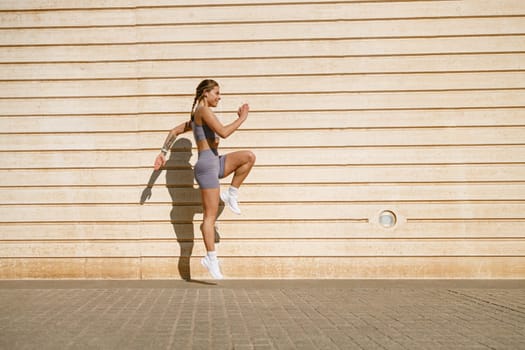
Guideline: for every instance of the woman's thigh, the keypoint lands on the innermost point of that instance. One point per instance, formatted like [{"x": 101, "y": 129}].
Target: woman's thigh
[
  {"x": 210, "y": 202},
  {"x": 236, "y": 159}
]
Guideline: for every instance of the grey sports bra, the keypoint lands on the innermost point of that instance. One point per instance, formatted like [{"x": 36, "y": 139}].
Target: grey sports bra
[{"x": 202, "y": 132}]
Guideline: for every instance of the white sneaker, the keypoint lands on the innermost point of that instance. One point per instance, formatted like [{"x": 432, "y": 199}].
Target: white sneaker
[
  {"x": 213, "y": 267},
  {"x": 231, "y": 202}
]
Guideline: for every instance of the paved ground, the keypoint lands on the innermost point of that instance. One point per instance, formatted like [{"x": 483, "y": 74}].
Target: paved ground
[{"x": 262, "y": 315}]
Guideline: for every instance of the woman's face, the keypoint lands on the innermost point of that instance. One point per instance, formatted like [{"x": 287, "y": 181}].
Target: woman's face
[{"x": 213, "y": 97}]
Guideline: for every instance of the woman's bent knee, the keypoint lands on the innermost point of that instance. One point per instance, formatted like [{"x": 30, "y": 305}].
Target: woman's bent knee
[{"x": 251, "y": 157}]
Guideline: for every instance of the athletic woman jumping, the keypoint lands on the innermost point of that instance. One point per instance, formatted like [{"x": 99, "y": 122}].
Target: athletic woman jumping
[{"x": 211, "y": 166}]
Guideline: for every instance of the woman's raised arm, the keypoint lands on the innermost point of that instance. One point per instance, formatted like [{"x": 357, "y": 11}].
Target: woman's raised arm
[{"x": 225, "y": 130}]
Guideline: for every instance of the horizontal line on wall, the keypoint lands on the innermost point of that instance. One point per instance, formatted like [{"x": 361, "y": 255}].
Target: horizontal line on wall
[
  {"x": 306, "y": 166},
  {"x": 229, "y": 4},
  {"x": 269, "y": 184},
  {"x": 374, "y": 256},
  {"x": 315, "y": 21},
  {"x": 295, "y": 165},
  {"x": 179, "y": 203},
  {"x": 280, "y": 40},
  {"x": 224, "y": 111},
  {"x": 366, "y": 165},
  {"x": 419, "y": 146},
  {"x": 486, "y": 219},
  {"x": 211, "y": 4},
  {"x": 421, "y": 127},
  {"x": 155, "y": 151},
  {"x": 273, "y": 111},
  {"x": 286, "y": 93},
  {"x": 65, "y": 222},
  {"x": 182, "y": 222},
  {"x": 249, "y": 130},
  {"x": 204, "y": 59},
  {"x": 266, "y": 21},
  {"x": 230, "y": 222},
  {"x": 140, "y": 78},
  {"x": 249, "y": 239},
  {"x": 248, "y": 184},
  {"x": 278, "y": 166},
  {"x": 262, "y": 40},
  {"x": 300, "y": 129},
  {"x": 405, "y": 127},
  {"x": 376, "y": 109},
  {"x": 277, "y": 40}
]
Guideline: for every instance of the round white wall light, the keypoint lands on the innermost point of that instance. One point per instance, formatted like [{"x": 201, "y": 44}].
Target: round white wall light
[{"x": 387, "y": 218}]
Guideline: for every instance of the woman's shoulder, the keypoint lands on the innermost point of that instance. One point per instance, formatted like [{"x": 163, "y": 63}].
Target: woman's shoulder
[{"x": 202, "y": 112}]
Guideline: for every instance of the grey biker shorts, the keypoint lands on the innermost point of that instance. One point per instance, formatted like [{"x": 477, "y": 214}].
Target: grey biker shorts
[{"x": 209, "y": 169}]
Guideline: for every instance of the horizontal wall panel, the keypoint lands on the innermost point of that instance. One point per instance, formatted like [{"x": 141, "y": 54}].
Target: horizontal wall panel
[
  {"x": 254, "y": 248},
  {"x": 240, "y": 230},
  {"x": 272, "y": 120},
  {"x": 362, "y": 267},
  {"x": 83, "y": 177},
  {"x": 354, "y": 247},
  {"x": 359, "y": 83},
  {"x": 303, "y": 138},
  {"x": 24, "y": 5},
  {"x": 70, "y": 71},
  {"x": 269, "y": 194},
  {"x": 265, "y": 85},
  {"x": 262, "y": 67},
  {"x": 315, "y": 12},
  {"x": 84, "y": 123},
  {"x": 385, "y": 137},
  {"x": 283, "y": 211},
  {"x": 315, "y": 48},
  {"x": 93, "y": 231},
  {"x": 275, "y": 102},
  {"x": 300, "y": 30},
  {"x": 410, "y": 174},
  {"x": 70, "y": 268},
  {"x": 271, "y": 267},
  {"x": 336, "y": 229},
  {"x": 288, "y": 66},
  {"x": 266, "y": 31},
  {"x": 301, "y": 11},
  {"x": 359, "y": 119},
  {"x": 166, "y": 268},
  {"x": 68, "y": 18},
  {"x": 274, "y": 157},
  {"x": 73, "y": 249},
  {"x": 284, "y": 48},
  {"x": 464, "y": 8},
  {"x": 73, "y": 88}
]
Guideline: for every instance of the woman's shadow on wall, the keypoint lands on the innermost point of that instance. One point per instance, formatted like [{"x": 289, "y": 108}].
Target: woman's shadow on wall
[{"x": 185, "y": 202}]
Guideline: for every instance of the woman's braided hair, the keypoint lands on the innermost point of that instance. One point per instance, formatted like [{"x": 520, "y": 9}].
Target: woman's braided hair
[{"x": 204, "y": 86}]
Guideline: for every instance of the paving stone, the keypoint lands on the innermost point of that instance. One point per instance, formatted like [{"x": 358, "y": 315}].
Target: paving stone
[{"x": 262, "y": 315}]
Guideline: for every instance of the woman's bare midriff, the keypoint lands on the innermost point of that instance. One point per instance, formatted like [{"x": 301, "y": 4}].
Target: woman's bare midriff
[{"x": 204, "y": 145}]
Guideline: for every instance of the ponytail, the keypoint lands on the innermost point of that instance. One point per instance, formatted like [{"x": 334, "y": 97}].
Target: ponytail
[{"x": 193, "y": 107}]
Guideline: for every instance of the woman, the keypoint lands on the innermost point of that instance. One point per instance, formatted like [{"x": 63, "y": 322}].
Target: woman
[{"x": 210, "y": 167}]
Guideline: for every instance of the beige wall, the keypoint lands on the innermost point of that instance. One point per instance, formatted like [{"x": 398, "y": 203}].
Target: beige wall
[{"x": 417, "y": 107}]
